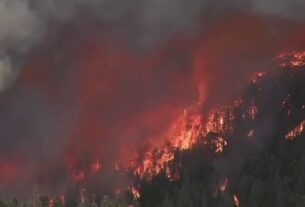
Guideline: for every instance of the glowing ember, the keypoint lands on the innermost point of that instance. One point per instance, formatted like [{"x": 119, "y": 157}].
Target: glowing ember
[
  {"x": 297, "y": 131},
  {"x": 252, "y": 111},
  {"x": 95, "y": 166},
  {"x": 250, "y": 133},
  {"x": 135, "y": 193},
  {"x": 184, "y": 132},
  {"x": 291, "y": 59},
  {"x": 223, "y": 186},
  {"x": 236, "y": 201},
  {"x": 219, "y": 121},
  {"x": 256, "y": 76},
  {"x": 219, "y": 144},
  {"x": 286, "y": 106},
  {"x": 78, "y": 176}
]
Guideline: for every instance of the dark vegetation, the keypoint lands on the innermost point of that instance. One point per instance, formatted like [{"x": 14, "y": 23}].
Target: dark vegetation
[{"x": 263, "y": 170}]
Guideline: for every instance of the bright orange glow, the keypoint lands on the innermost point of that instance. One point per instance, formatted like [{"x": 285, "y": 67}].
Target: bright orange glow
[
  {"x": 219, "y": 144},
  {"x": 187, "y": 130},
  {"x": 252, "y": 111},
  {"x": 294, "y": 59},
  {"x": 219, "y": 121},
  {"x": 135, "y": 193},
  {"x": 182, "y": 135},
  {"x": 297, "y": 131}
]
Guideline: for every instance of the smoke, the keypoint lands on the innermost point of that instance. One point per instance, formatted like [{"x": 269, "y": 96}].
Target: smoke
[
  {"x": 19, "y": 29},
  {"x": 283, "y": 9},
  {"x": 24, "y": 23},
  {"x": 82, "y": 79}
]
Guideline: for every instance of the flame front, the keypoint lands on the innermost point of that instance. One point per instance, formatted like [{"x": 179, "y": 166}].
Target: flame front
[
  {"x": 293, "y": 59},
  {"x": 297, "y": 131}
]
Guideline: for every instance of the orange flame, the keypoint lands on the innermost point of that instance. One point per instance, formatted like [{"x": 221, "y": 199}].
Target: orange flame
[
  {"x": 297, "y": 131},
  {"x": 223, "y": 186},
  {"x": 219, "y": 144},
  {"x": 294, "y": 59},
  {"x": 186, "y": 131},
  {"x": 135, "y": 192},
  {"x": 250, "y": 133},
  {"x": 236, "y": 200},
  {"x": 256, "y": 76}
]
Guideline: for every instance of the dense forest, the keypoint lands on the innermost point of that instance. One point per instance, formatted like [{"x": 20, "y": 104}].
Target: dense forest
[
  {"x": 262, "y": 165},
  {"x": 266, "y": 169}
]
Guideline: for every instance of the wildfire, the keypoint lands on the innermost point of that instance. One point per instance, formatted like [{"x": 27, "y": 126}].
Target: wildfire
[
  {"x": 223, "y": 186},
  {"x": 256, "y": 76},
  {"x": 135, "y": 192},
  {"x": 219, "y": 144},
  {"x": 252, "y": 111},
  {"x": 219, "y": 121},
  {"x": 95, "y": 166},
  {"x": 297, "y": 131},
  {"x": 250, "y": 133},
  {"x": 78, "y": 176},
  {"x": 236, "y": 200},
  {"x": 291, "y": 59},
  {"x": 286, "y": 106},
  {"x": 182, "y": 135},
  {"x": 186, "y": 130}
]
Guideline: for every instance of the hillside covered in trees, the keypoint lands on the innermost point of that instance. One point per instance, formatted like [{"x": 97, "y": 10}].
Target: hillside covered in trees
[{"x": 262, "y": 163}]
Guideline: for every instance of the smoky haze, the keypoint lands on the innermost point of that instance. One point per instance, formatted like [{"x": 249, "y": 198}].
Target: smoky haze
[
  {"x": 82, "y": 79},
  {"x": 24, "y": 23}
]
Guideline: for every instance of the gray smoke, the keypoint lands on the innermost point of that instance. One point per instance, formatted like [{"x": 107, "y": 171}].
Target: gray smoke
[
  {"x": 19, "y": 31},
  {"x": 293, "y": 9},
  {"x": 24, "y": 23}
]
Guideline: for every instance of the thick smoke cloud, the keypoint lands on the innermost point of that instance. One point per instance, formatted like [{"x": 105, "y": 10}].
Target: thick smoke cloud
[{"x": 19, "y": 29}]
